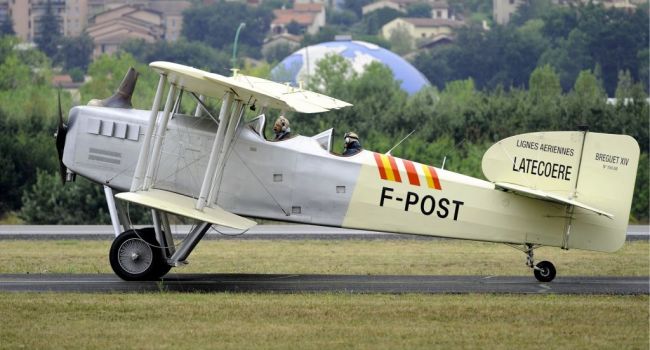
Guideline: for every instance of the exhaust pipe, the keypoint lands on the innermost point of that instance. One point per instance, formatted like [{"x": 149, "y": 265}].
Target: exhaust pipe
[{"x": 122, "y": 97}]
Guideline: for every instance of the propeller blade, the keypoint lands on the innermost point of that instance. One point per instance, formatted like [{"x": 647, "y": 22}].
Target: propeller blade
[{"x": 61, "y": 133}]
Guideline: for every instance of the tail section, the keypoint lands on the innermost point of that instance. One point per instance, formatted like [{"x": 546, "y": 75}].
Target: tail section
[{"x": 596, "y": 169}]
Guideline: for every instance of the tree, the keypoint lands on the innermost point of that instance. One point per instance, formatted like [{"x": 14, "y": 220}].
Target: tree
[
  {"x": 372, "y": 22},
  {"x": 331, "y": 76},
  {"x": 529, "y": 10},
  {"x": 47, "y": 202},
  {"x": 76, "y": 52},
  {"x": 400, "y": 41},
  {"x": 48, "y": 34},
  {"x": 278, "y": 52},
  {"x": 106, "y": 72},
  {"x": 624, "y": 86},
  {"x": 216, "y": 24},
  {"x": 295, "y": 28},
  {"x": 373, "y": 39},
  {"x": 501, "y": 56},
  {"x": 195, "y": 54},
  {"x": 570, "y": 56},
  {"x": 326, "y": 33},
  {"x": 570, "y": 39},
  {"x": 419, "y": 9},
  {"x": 344, "y": 18},
  {"x": 356, "y": 5},
  {"x": 544, "y": 83},
  {"x": 437, "y": 66},
  {"x": 588, "y": 89},
  {"x": 471, "y": 6},
  {"x": 643, "y": 57},
  {"x": 26, "y": 146},
  {"x": 587, "y": 101}
]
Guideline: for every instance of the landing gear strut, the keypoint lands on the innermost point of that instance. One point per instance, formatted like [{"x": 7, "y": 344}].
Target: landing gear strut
[{"x": 544, "y": 271}]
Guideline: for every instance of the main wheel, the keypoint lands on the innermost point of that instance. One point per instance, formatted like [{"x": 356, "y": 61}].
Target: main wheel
[
  {"x": 545, "y": 271},
  {"x": 133, "y": 258}
]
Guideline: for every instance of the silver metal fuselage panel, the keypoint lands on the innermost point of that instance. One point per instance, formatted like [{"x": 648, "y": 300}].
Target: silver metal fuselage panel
[{"x": 261, "y": 178}]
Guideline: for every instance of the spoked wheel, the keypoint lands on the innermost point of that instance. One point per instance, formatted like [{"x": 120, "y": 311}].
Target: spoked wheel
[
  {"x": 544, "y": 271},
  {"x": 133, "y": 258}
]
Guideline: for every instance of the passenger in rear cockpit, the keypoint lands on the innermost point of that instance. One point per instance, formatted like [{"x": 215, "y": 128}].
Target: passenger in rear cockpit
[
  {"x": 281, "y": 129},
  {"x": 352, "y": 145}
]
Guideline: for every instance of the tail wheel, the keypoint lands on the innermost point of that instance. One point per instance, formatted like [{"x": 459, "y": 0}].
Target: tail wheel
[
  {"x": 544, "y": 271},
  {"x": 135, "y": 257}
]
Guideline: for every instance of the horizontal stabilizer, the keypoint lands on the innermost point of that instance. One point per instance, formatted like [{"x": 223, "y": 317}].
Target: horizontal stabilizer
[
  {"x": 529, "y": 192},
  {"x": 178, "y": 204}
]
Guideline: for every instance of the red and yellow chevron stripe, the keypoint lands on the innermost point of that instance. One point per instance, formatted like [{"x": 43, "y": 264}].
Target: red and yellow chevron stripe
[
  {"x": 414, "y": 179},
  {"x": 388, "y": 170},
  {"x": 387, "y": 167},
  {"x": 432, "y": 177}
]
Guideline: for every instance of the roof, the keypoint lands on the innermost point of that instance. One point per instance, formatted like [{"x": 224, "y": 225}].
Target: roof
[
  {"x": 288, "y": 16},
  {"x": 283, "y": 37},
  {"x": 437, "y": 40},
  {"x": 308, "y": 7},
  {"x": 432, "y": 22},
  {"x": 124, "y": 22},
  {"x": 131, "y": 10},
  {"x": 404, "y": 3},
  {"x": 433, "y": 4},
  {"x": 439, "y": 5},
  {"x": 61, "y": 79}
]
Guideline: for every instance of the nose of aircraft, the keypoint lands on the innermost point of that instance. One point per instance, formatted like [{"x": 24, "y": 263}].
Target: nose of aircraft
[{"x": 121, "y": 99}]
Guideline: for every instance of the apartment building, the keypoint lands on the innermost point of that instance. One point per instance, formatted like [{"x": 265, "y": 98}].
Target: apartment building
[
  {"x": 75, "y": 16},
  {"x": 26, "y": 15}
]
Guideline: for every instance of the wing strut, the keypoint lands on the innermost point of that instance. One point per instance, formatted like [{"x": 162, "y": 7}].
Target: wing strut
[
  {"x": 235, "y": 118},
  {"x": 161, "y": 129},
  {"x": 217, "y": 146},
  {"x": 144, "y": 181},
  {"x": 140, "y": 168}
]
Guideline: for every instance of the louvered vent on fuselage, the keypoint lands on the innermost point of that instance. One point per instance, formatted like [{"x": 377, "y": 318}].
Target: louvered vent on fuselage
[{"x": 113, "y": 129}]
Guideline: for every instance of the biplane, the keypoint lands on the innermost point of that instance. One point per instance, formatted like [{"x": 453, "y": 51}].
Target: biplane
[{"x": 567, "y": 189}]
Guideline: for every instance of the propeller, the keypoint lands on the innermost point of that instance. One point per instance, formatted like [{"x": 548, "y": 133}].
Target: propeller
[{"x": 60, "y": 135}]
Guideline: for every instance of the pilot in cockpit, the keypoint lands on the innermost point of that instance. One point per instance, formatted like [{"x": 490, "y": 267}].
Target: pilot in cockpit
[
  {"x": 352, "y": 145},
  {"x": 281, "y": 129}
]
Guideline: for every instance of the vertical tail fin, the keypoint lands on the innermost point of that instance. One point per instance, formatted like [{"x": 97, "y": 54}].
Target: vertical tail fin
[{"x": 592, "y": 168}]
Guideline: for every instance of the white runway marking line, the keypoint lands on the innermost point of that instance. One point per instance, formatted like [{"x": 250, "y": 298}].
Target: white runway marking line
[{"x": 544, "y": 288}]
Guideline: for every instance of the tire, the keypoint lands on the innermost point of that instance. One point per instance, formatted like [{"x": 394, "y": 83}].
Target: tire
[
  {"x": 545, "y": 271},
  {"x": 133, "y": 258}
]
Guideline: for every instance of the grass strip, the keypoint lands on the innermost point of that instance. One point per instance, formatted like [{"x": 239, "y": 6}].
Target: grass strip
[
  {"x": 321, "y": 321},
  {"x": 443, "y": 257}
]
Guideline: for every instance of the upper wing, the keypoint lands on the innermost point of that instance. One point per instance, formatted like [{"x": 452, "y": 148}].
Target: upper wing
[
  {"x": 547, "y": 197},
  {"x": 262, "y": 92}
]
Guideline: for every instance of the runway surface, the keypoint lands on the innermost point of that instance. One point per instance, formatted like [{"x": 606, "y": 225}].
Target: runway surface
[
  {"x": 264, "y": 283},
  {"x": 293, "y": 232}
]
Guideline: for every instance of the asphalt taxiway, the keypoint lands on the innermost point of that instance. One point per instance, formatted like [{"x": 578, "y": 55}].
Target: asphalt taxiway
[
  {"x": 267, "y": 231},
  {"x": 279, "y": 283}
]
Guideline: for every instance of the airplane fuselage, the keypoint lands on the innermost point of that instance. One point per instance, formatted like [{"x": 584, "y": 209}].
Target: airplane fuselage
[{"x": 299, "y": 180}]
